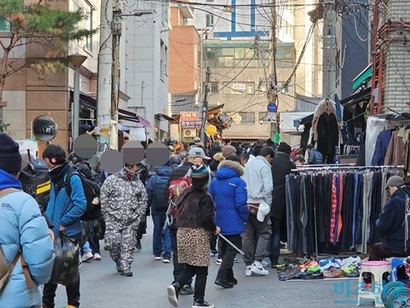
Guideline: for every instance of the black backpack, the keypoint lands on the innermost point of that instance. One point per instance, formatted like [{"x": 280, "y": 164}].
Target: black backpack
[{"x": 91, "y": 191}]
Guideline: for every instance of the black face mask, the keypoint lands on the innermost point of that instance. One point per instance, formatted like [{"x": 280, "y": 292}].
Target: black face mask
[{"x": 54, "y": 173}]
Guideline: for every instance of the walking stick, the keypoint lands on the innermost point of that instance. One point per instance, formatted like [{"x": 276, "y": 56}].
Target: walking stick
[{"x": 230, "y": 243}]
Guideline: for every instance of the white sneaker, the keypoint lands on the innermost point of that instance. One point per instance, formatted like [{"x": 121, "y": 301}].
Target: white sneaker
[
  {"x": 257, "y": 269},
  {"x": 248, "y": 271},
  {"x": 97, "y": 257},
  {"x": 218, "y": 261},
  {"x": 87, "y": 256},
  {"x": 157, "y": 258}
]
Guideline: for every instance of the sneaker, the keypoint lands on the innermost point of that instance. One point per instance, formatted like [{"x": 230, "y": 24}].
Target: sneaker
[
  {"x": 218, "y": 261},
  {"x": 172, "y": 295},
  {"x": 157, "y": 258},
  {"x": 186, "y": 290},
  {"x": 235, "y": 260},
  {"x": 126, "y": 273},
  {"x": 257, "y": 269},
  {"x": 106, "y": 247},
  {"x": 201, "y": 303},
  {"x": 87, "y": 256},
  {"x": 248, "y": 271},
  {"x": 213, "y": 253},
  {"x": 265, "y": 263},
  {"x": 166, "y": 260},
  {"x": 223, "y": 283},
  {"x": 97, "y": 257}
]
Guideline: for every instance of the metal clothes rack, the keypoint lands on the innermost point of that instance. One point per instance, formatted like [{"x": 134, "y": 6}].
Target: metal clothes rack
[{"x": 349, "y": 167}]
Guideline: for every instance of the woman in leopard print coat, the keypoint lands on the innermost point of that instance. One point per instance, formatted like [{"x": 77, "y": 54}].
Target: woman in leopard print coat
[{"x": 195, "y": 222}]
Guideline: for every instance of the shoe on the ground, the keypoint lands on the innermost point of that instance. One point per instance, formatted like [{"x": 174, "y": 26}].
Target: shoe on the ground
[
  {"x": 173, "y": 295},
  {"x": 157, "y": 258},
  {"x": 257, "y": 269},
  {"x": 166, "y": 260},
  {"x": 201, "y": 303},
  {"x": 97, "y": 257},
  {"x": 232, "y": 280},
  {"x": 186, "y": 290},
  {"x": 235, "y": 260},
  {"x": 218, "y": 261},
  {"x": 223, "y": 283},
  {"x": 274, "y": 263},
  {"x": 106, "y": 247},
  {"x": 126, "y": 273},
  {"x": 248, "y": 271},
  {"x": 265, "y": 263},
  {"x": 213, "y": 253},
  {"x": 138, "y": 246},
  {"x": 87, "y": 256},
  {"x": 333, "y": 273}
]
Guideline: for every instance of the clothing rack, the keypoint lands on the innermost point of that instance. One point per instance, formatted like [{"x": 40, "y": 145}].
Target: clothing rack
[
  {"x": 344, "y": 167},
  {"x": 348, "y": 167}
]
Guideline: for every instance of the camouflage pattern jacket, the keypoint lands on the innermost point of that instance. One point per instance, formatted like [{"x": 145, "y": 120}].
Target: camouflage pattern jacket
[{"x": 123, "y": 200}]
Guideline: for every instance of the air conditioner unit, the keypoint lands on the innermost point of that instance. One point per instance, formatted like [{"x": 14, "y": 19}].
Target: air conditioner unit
[{"x": 189, "y": 133}]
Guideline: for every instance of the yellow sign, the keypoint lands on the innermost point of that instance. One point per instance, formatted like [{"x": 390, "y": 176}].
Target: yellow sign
[{"x": 211, "y": 130}]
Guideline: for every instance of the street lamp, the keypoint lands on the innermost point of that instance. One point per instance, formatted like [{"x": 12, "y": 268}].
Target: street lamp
[{"x": 76, "y": 60}]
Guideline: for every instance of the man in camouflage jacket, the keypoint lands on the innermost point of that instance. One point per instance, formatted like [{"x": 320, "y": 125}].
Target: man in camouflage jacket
[{"x": 123, "y": 201}]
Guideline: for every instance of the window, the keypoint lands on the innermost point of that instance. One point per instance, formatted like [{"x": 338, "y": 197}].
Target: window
[
  {"x": 4, "y": 25},
  {"x": 89, "y": 25},
  {"x": 209, "y": 20},
  {"x": 161, "y": 63},
  {"x": 214, "y": 87},
  {"x": 250, "y": 88},
  {"x": 262, "y": 116},
  {"x": 247, "y": 117}
]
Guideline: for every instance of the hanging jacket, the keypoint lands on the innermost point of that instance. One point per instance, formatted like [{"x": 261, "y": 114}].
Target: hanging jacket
[
  {"x": 228, "y": 191},
  {"x": 21, "y": 225},
  {"x": 156, "y": 186}
]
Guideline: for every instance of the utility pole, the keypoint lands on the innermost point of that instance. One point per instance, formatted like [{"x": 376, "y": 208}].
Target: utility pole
[
  {"x": 204, "y": 111},
  {"x": 272, "y": 94},
  {"x": 115, "y": 98},
  {"x": 104, "y": 76},
  {"x": 329, "y": 49}
]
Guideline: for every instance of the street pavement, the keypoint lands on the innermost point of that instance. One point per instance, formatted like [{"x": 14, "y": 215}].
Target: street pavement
[{"x": 102, "y": 286}]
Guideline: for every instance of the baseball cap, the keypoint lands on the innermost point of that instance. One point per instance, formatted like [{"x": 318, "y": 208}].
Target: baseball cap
[
  {"x": 197, "y": 139},
  {"x": 197, "y": 152},
  {"x": 393, "y": 181},
  {"x": 263, "y": 210}
]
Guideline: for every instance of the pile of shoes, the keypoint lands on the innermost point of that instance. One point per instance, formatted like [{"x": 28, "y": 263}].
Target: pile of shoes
[
  {"x": 300, "y": 269},
  {"x": 338, "y": 268}
]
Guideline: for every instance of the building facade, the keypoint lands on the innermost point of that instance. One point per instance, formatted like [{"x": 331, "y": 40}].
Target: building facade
[{"x": 30, "y": 94}]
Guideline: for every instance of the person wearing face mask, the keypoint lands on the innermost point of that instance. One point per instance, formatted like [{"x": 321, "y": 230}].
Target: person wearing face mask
[
  {"x": 123, "y": 204},
  {"x": 391, "y": 223},
  {"x": 64, "y": 212}
]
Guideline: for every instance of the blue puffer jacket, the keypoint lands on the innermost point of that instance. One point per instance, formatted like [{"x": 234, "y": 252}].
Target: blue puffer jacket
[
  {"x": 63, "y": 209},
  {"x": 21, "y": 224},
  {"x": 229, "y": 193}
]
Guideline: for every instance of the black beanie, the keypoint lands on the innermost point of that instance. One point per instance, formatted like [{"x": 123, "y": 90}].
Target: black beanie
[
  {"x": 285, "y": 148},
  {"x": 10, "y": 157}
]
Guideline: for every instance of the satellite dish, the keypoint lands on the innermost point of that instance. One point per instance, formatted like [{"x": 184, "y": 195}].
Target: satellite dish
[{"x": 44, "y": 128}]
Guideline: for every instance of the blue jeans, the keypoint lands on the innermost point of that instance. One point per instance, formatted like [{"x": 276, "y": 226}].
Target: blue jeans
[
  {"x": 161, "y": 240},
  {"x": 275, "y": 239}
]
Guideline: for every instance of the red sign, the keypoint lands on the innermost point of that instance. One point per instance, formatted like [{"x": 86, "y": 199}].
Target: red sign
[{"x": 189, "y": 116}]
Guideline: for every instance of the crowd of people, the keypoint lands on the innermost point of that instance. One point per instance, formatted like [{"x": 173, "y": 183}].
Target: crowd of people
[{"x": 204, "y": 201}]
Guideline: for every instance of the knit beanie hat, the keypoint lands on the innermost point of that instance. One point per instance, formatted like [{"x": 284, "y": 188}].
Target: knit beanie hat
[
  {"x": 199, "y": 172},
  {"x": 285, "y": 148},
  {"x": 228, "y": 150},
  {"x": 10, "y": 157}
]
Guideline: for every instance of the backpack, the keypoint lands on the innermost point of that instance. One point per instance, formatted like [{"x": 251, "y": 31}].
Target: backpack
[
  {"x": 160, "y": 187},
  {"x": 175, "y": 189},
  {"x": 92, "y": 195}
]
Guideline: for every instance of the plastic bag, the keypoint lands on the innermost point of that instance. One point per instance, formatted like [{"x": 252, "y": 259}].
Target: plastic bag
[
  {"x": 99, "y": 228},
  {"x": 85, "y": 232},
  {"x": 65, "y": 269}
]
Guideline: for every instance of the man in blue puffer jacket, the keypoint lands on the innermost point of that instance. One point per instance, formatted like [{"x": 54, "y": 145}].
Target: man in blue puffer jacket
[
  {"x": 64, "y": 212},
  {"x": 21, "y": 228},
  {"x": 229, "y": 193}
]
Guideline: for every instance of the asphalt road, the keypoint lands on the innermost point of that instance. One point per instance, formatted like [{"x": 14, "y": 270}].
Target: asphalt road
[{"x": 102, "y": 286}]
